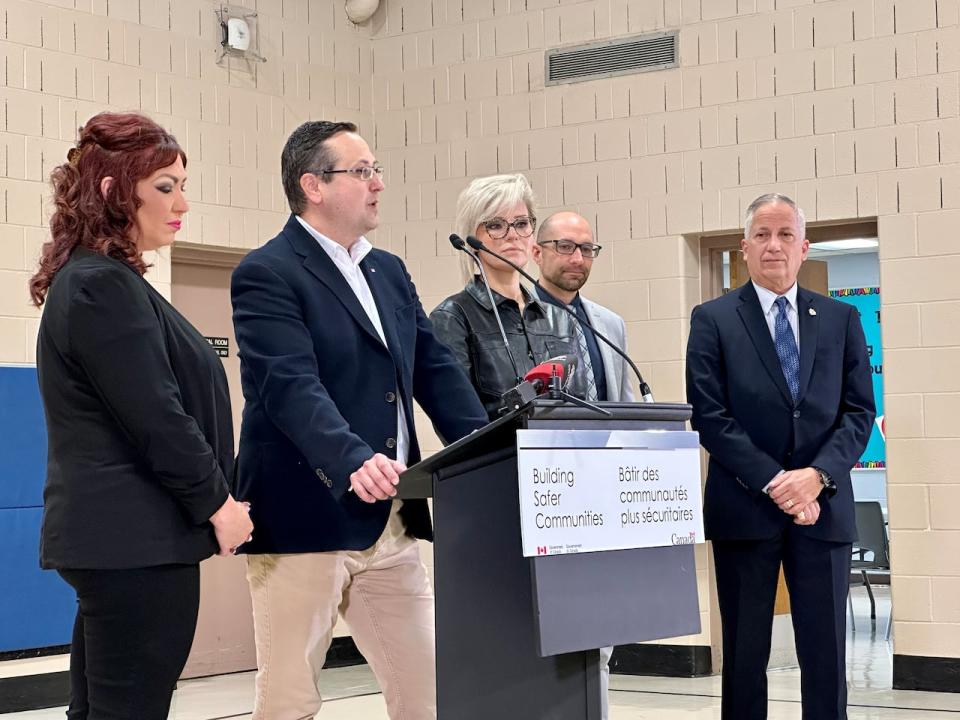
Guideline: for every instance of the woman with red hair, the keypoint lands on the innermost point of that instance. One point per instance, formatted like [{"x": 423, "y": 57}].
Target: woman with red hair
[{"x": 140, "y": 437}]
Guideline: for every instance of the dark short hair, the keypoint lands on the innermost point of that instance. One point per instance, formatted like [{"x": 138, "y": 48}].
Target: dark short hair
[{"x": 306, "y": 151}]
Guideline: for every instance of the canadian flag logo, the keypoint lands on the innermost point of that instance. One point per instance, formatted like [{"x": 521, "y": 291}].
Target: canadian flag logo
[{"x": 541, "y": 549}]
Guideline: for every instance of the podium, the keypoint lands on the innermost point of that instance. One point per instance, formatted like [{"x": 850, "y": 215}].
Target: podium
[{"x": 517, "y": 636}]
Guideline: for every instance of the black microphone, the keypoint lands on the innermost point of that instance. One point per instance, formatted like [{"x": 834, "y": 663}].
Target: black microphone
[
  {"x": 458, "y": 244},
  {"x": 645, "y": 392}
]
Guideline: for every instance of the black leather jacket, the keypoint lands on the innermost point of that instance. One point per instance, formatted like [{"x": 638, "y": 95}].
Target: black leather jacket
[{"x": 465, "y": 323}]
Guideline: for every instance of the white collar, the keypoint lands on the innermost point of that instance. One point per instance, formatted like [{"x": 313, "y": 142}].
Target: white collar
[
  {"x": 358, "y": 251},
  {"x": 768, "y": 297}
]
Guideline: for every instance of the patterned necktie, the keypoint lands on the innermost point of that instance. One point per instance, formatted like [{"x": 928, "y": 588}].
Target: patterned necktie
[
  {"x": 787, "y": 348},
  {"x": 590, "y": 392}
]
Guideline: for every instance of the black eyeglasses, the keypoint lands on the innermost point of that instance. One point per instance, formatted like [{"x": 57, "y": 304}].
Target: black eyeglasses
[
  {"x": 365, "y": 173},
  {"x": 569, "y": 247},
  {"x": 498, "y": 227}
]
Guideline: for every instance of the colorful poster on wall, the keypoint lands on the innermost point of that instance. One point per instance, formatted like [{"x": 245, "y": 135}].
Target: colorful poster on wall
[{"x": 867, "y": 302}]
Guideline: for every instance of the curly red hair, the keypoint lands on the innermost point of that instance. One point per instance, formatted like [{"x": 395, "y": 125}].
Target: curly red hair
[{"x": 127, "y": 147}]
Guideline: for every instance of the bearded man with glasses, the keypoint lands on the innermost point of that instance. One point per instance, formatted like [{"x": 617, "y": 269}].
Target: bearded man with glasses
[{"x": 565, "y": 251}]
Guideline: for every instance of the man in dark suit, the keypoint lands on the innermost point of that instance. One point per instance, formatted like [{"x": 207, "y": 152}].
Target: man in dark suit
[
  {"x": 334, "y": 349},
  {"x": 779, "y": 381}
]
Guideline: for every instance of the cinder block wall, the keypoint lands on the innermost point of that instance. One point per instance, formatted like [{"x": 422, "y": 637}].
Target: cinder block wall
[
  {"x": 850, "y": 106},
  {"x": 67, "y": 60}
]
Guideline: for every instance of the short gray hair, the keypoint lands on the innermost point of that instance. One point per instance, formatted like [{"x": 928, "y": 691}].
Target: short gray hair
[
  {"x": 769, "y": 199},
  {"x": 482, "y": 199}
]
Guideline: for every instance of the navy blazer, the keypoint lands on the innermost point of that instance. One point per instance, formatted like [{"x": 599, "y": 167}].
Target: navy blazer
[
  {"x": 750, "y": 425},
  {"x": 321, "y": 390}
]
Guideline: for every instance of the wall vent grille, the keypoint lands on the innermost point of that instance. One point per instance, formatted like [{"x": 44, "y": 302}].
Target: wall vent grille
[{"x": 622, "y": 56}]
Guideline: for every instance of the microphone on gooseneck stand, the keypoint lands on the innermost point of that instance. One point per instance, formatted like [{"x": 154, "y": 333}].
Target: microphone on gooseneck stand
[
  {"x": 523, "y": 392},
  {"x": 645, "y": 392}
]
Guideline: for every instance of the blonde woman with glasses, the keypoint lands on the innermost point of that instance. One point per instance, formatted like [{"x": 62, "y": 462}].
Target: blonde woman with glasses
[{"x": 500, "y": 212}]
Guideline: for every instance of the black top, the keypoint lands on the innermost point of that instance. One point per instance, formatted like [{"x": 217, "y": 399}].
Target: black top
[
  {"x": 140, "y": 436},
  {"x": 466, "y": 324},
  {"x": 596, "y": 359}
]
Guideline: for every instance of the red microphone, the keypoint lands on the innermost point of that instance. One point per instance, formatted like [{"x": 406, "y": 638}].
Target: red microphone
[{"x": 540, "y": 376}]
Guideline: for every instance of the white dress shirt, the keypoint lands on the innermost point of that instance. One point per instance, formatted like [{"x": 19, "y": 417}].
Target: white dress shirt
[
  {"x": 348, "y": 263},
  {"x": 768, "y": 300}
]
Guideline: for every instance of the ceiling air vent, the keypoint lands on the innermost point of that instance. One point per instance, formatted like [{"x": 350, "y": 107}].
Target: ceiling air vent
[{"x": 640, "y": 53}]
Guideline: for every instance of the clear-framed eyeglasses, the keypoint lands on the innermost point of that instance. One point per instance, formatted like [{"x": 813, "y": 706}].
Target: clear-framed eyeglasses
[
  {"x": 569, "y": 247},
  {"x": 498, "y": 227}
]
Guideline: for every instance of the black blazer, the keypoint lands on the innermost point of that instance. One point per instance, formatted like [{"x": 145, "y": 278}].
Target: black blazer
[
  {"x": 140, "y": 438},
  {"x": 749, "y": 424},
  {"x": 321, "y": 391}
]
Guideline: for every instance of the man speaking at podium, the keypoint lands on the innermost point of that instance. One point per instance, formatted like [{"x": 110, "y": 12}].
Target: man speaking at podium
[
  {"x": 334, "y": 348},
  {"x": 779, "y": 381}
]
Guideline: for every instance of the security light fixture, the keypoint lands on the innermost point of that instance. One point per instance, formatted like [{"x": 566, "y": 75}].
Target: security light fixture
[{"x": 239, "y": 37}]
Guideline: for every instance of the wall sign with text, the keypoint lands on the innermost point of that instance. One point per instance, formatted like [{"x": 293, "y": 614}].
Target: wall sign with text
[
  {"x": 220, "y": 345},
  {"x": 592, "y": 490},
  {"x": 867, "y": 302}
]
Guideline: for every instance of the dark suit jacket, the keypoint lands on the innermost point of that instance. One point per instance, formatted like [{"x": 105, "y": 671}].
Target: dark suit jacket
[
  {"x": 321, "y": 392},
  {"x": 139, "y": 429},
  {"x": 748, "y": 422}
]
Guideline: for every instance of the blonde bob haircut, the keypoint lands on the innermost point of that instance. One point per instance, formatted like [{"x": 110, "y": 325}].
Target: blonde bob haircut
[{"x": 483, "y": 199}]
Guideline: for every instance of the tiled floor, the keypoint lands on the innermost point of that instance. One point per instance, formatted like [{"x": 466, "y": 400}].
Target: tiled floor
[{"x": 352, "y": 693}]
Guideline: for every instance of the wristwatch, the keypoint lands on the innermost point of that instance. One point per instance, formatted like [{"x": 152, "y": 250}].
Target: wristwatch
[{"x": 825, "y": 480}]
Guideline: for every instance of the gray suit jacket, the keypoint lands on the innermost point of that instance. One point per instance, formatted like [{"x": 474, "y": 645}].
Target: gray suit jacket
[{"x": 618, "y": 372}]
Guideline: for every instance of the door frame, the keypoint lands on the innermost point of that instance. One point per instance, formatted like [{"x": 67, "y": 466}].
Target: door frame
[{"x": 207, "y": 255}]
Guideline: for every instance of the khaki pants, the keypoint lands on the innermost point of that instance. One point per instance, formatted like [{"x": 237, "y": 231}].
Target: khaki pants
[{"x": 383, "y": 593}]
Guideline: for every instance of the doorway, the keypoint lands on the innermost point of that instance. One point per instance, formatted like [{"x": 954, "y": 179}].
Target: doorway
[{"x": 200, "y": 290}]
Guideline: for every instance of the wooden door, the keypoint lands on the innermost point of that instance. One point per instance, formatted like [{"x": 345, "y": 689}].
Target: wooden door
[{"x": 223, "y": 642}]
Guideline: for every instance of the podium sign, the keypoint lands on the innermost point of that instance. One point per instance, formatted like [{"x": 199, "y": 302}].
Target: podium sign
[{"x": 591, "y": 490}]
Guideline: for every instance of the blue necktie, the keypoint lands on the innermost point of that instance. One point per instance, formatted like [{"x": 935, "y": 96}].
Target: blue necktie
[{"x": 787, "y": 348}]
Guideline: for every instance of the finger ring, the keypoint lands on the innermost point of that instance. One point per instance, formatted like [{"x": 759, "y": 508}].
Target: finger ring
[
  {"x": 802, "y": 515},
  {"x": 789, "y": 504}
]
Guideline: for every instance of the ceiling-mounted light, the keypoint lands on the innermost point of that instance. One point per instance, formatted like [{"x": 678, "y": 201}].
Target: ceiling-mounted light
[
  {"x": 846, "y": 245},
  {"x": 359, "y": 11},
  {"x": 849, "y": 244}
]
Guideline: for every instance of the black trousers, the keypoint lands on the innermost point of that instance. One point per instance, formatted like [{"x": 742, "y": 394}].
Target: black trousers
[
  {"x": 131, "y": 639},
  {"x": 818, "y": 578}
]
